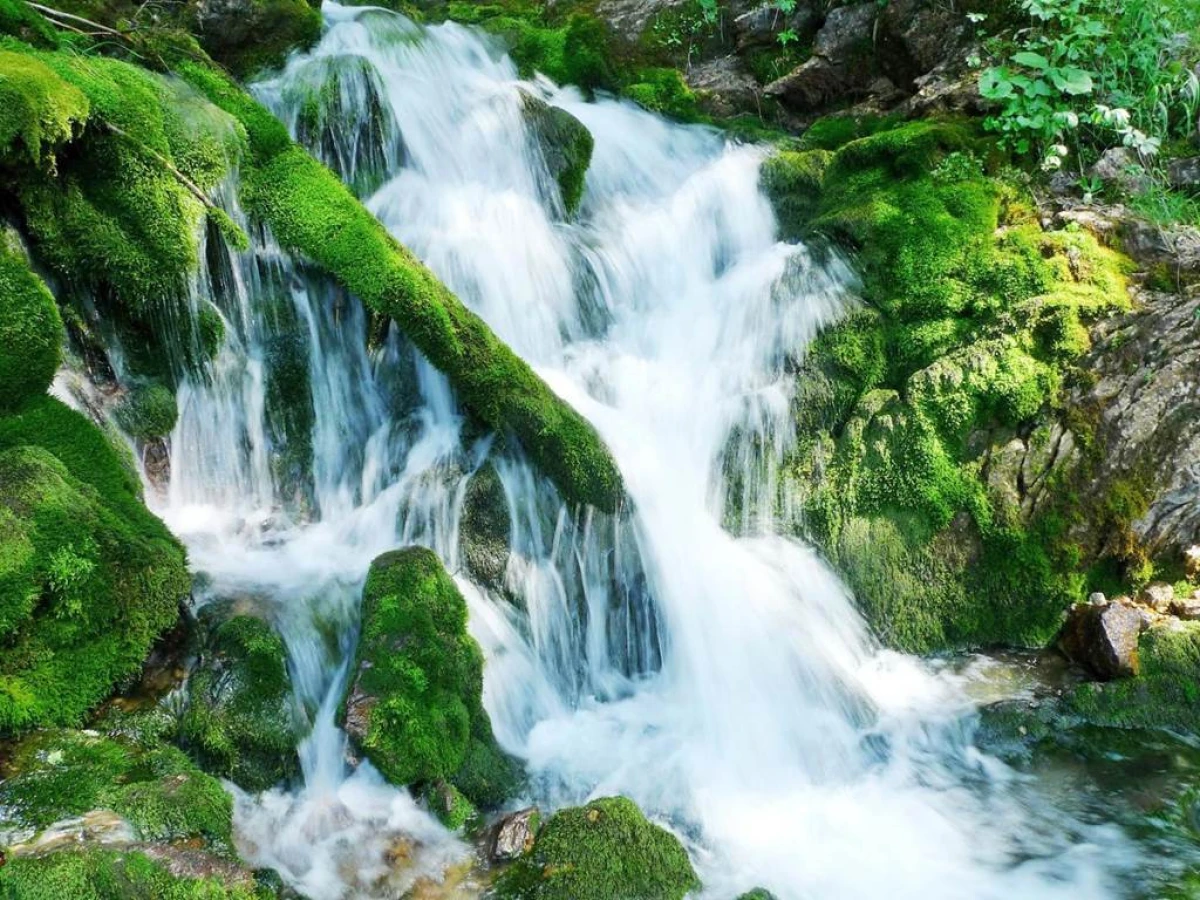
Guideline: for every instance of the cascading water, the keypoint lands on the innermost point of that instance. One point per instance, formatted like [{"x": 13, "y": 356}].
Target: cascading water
[{"x": 722, "y": 681}]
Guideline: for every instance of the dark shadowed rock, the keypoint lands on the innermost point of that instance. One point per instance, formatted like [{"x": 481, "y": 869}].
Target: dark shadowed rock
[
  {"x": 840, "y": 65},
  {"x": 1103, "y": 638},
  {"x": 761, "y": 25},
  {"x": 485, "y": 529}
]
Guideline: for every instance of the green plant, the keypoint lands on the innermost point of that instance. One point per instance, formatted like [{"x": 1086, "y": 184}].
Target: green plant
[{"x": 787, "y": 36}]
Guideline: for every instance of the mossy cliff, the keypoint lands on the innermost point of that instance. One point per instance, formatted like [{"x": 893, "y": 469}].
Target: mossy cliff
[
  {"x": 972, "y": 319},
  {"x": 414, "y": 705}
]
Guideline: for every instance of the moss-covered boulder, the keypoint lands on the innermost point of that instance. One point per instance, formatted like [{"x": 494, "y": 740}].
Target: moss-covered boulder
[
  {"x": 55, "y": 775},
  {"x": 88, "y": 577},
  {"x": 31, "y": 330},
  {"x": 414, "y": 703},
  {"x": 565, "y": 145},
  {"x": 147, "y": 412},
  {"x": 98, "y": 873},
  {"x": 596, "y": 852},
  {"x": 241, "y": 719},
  {"x": 247, "y": 36},
  {"x": 485, "y": 529},
  {"x": 930, "y": 447}
]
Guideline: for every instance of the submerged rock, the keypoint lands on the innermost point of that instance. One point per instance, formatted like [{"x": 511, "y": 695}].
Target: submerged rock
[
  {"x": 600, "y": 851},
  {"x": 413, "y": 706},
  {"x": 485, "y": 530},
  {"x": 1103, "y": 638},
  {"x": 241, "y": 719}
]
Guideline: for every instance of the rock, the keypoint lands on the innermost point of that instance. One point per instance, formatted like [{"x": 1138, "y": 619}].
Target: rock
[
  {"x": 757, "y": 894},
  {"x": 1103, "y": 639},
  {"x": 250, "y": 35},
  {"x": 723, "y": 87},
  {"x": 629, "y": 18},
  {"x": 1184, "y": 174},
  {"x": 241, "y": 719},
  {"x": 761, "y": 26},
  {"x": 485, "y": 529},
  {"x": 917, "y": 36},
  {"x": 1097, "y": 599},
  {"x": 1191, "y": 562},
  {"x": 1121, "y": 166},
  {"x": 1158, "y": 596},
  {"x": 513, "y": 835},
  {"x": 414, "y": 703},
  {"x": 565, "y": 145},
  {"x": 1186, "y": 608},
  {"x": 600, "y": 851},
  {"x": 840, "y": 65}
]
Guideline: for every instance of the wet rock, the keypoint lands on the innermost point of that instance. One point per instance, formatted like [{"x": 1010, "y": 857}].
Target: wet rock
[
  {"x": 723, "y": 87},
  {"x": 513, "y": 836},
  {"x": 565, "y": 145},
  {"x": 485, "y": 530},
  {"x": 1103, "y": 639},
  {"x": 1184, "y": 174},
  {"x": 249, "y": 35}
]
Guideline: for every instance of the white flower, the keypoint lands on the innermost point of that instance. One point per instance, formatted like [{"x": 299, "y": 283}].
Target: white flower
[
  {"x": 1059, "y": 150},
  {"x": 1051, "y": 163}
]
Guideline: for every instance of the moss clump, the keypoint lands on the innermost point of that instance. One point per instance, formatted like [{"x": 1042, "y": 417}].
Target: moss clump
[
  {"x": 90, "y": 576},
  {"x": 1166, "y": 693},
  {"x": 31, "y": 331},
  {"x": 259, "y": 34},
  {"x": 241, "y": 719},
  {"x": 19, "y": 20},
  {"x": 147, "y": 412},
  {"x": 565, "y": 145},
  {"x": 972, "y": 320},
  {"x": 53, "y": 775},
  {"x": 100, "y": 874},
  {"x": 596, "y": 852},
  {"x": 41, "y": 110},
  {"x": 415, "y": 703},
  {"x": 313, "y": 213},
  {"x": 757, "y": 894}
]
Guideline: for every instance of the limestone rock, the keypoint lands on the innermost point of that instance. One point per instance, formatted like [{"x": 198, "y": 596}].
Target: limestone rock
[{"x": 1103, "y": 639}]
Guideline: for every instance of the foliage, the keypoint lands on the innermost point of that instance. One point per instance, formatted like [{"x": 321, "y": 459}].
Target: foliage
[
  {"x": 599, "y": 851},
  {"x": 31, "y": 331},
  {"x": 147, "y": 412}
]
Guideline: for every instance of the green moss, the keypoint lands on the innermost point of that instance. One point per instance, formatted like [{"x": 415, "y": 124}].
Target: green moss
[
  {"x": 53, "y": 775},
  {"x": 19, "y": 20},
  {"x": 971, "y": 327},
  {"x": 260, "y": 35},
  {"x": 451, "y": 807},
  {"x": 99, "y": 874},
  {"x": 423, "y": 675},
  {"x": 147, "y": 412},
  {"x": 241, "y": 719},
  {"x": 31, "y": 331},
  {"x": 596, "y": 852},
  {"x": 757, "y": 894},
  {"x": 98, "y": 577},
  {"x": 1166, "y": 693},
  {"x": 40, "y": 110}
]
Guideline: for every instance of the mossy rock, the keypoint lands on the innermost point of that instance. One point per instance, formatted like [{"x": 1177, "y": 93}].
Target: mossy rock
[
  {"x": 599, "y": 851},
  {"x": 311, "y": 212},
  {"x": 147, "y": 412},
  {"x": 565, "y": 146},
  {"x": 55, "y": 775},
  {"x": 485, "y": 529},
  {"x": 107, "y": 874},
  {"x": 241, "y": 719},
  {"x": 757, "y": 894},
  {"x": 31, "y": 330},
  {"x": 414, "y": 705},
  {"x": 90, "y": 578},
  {"x": 247, "y": 36},
  {"x": 41, "y": 110}
]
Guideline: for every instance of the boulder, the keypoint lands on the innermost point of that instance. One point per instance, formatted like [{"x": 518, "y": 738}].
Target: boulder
[
  {"x": 600, "y": 851},
  {"x": 1184, "y": 174},
  {"x": 1103, "y": 639},
  {"x": 241, "y": 719},
  {"x": 249, "y": 35},
  {"x": 485, "y": 529},
  {"x": 413, "y": 706},
  {"x": 841, "y": 64},
  {"x": 565, "y": 146},
  {"x": 629, "y": 18},
  {"x": 1121, "y": 166},
  {"x": 513, "y": 836},
  {"x": 760, "y": 26},
  {"x": 1158, "y": 596},
  {"x": 1185, "y": 608},
  {"x": 1191, "y": 562},
  {"x": 723, "y": 87}
]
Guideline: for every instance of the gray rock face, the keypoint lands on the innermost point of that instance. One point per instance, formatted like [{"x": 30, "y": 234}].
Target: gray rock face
[
  {"x": 1120, "y": 166},
  {"x": 512, "y": 837},
  {"x": 761, "y": 25},
  {"x": 724, "y": 87},
  {"x": 839, "y": 66},
  {"x": 1017, "y": 471},
  {"x": 1103, "y": 638},
  {"x": 1184, "y": 173},
  {"x": 629, "y": 18},
  {"x": 1147, "y": 392}
]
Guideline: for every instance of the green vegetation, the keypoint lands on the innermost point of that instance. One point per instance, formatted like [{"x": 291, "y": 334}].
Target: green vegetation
[
  {"x": 260, "y": 35},
  {"x": 90, "y": 577},
  {"x": 241, "y": 720},
  {"x": 417, "y": 691},
  {"x": 100, "y": 874},
  {"x": 596, "y": 852},
  {"x": 54, "y": 775},
  {"x": 31, "y": 331},
  {"x": 147, "y": 412},
  {"x": 973, "y": 316}
]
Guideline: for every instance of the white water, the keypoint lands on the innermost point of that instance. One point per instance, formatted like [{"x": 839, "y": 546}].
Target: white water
[{"x": 723, "y": 682}]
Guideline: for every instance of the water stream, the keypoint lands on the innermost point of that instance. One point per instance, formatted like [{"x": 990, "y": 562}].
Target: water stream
[{"x": 720, "y": 677}]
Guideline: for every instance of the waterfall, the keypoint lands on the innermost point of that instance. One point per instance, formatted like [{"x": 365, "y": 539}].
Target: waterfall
[{"x": 719, "y": 677}]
